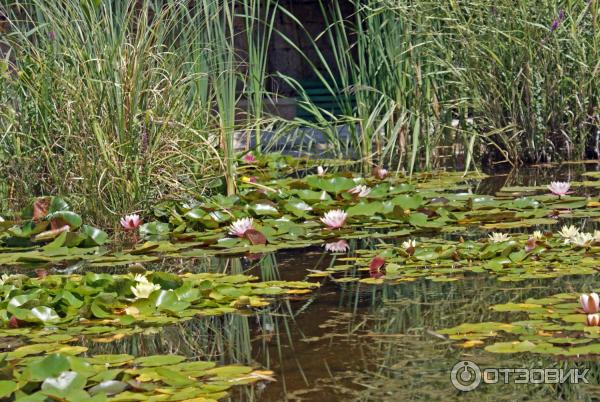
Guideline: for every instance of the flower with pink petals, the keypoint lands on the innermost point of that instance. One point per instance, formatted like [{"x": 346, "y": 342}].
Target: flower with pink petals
[
  {"x": 590, "y": 303},
  {"x": 131, "y": 222},
  {"x": 560, "y": 188},
  {"x": 593, "y": 320},
  {"x": 380, "y": 173},
  {"x": 340, "y": 246},
  {"x": 241, "y": 226},
  {"x": 334, "y": 219},
  {"x": 361, "y": 190},
  {"x": 249, "y": 158}
]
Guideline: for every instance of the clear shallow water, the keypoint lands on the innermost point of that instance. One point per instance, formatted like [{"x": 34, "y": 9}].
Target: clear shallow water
[{"x": 360, "y": 343}]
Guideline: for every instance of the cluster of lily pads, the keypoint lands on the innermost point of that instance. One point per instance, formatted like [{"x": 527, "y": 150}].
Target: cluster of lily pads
[
  {"x": 514, "y": 257},
  {"x": 63, "y": 375},
  {"x": 48, "y": 222},
  {"x": 564, "y": 324},
  {"x": 125, "y": 300}
]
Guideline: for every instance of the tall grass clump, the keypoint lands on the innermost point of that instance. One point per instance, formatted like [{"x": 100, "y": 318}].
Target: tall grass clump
[
  {"x": 514, "y": 83},
  {"x": 531, "y": 70},
  {"x": 119, "y": 103},
  {"x": 108, "y": 102}
]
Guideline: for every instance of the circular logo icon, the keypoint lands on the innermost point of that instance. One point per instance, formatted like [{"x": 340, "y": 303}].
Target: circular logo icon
[{"x": 465, "y": 376}]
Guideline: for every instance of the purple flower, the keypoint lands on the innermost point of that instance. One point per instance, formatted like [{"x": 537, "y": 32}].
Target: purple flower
[
  {"x": 52, "y": 35},
  {"x": 554, "y": 25}
]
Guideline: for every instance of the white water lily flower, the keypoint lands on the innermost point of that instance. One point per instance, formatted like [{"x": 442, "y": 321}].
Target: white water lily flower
[
  {"x": 320, "y": 171},
  {"x": 334, "y": 219},
  {"x": 582, "y": 239},
  {"x": 143, "y": 290},
  {"x": 499, "y": 237},
  {"x": 361, "y": 190},
  {"x": 1, "y": 219},
  {"x": 410, "y": 243},
  {"x": 140, "y": 278},
  {"x": 597, "y": 236},
  {"x": 240, "y": 227},
  {"x": 568, "y": 233},
  {"x": 559, "y": 188},
  {"x": 538, "y": 235},
  {"x": 340, "y": 246},
  {"x": 4, "y": 278}
]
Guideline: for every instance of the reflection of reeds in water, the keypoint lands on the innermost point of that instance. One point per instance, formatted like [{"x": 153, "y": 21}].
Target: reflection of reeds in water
[{"x": 413, "y": 359}]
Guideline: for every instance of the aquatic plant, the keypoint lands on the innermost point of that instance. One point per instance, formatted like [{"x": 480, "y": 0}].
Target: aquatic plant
[
  {"x": 590, "y": 303},
  {"x": 593, "y": 320},
  {"x": 334, "y": 219},
  {"x": 559, "y": 188},
  {"x": 568, "y": 233},
  {"x": 59, "y": 372},
  {"x": 340, "y": 246},
  {"x": 380, "y": 173},
  {"x": 498, "y": 237},
  {"x": 360, "y": 191},
  {"x": 130, "y": 222},
  {"x": 241, "y": 226},
  {"x": 249, "y": 158},
  {"x": 582, "y": 239},
  {"x": 143, "y": 289}
]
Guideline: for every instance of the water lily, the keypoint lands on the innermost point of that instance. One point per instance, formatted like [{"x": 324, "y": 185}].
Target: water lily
[
  {"x": 143, "y": 289},
  {"x": 334, "y": 219},
  {"x": 499, "y": 237},
  {"x": 140, "y": 278},
  {"x": 582, "y": 240},
  {"x": 538, "y": 235},
  {"x": 361, "y": 190},
  {"x": 597, "y": 236},
  {"x": 4, "y": 278},
  {"x": 1, "y": 219},
  {"x": 241, "y": 226},
  {"x": 593, "y": 320},
  {"x": 409, "y": 244},
  {"x": 559, "y": 188},
  {"x": 340, "y": 246},
  {"x": 568, "y": 233},
  {"x": 249, "y": 158},
  {"x": 320, "y": 171},
  {"x": 590, "y": 303},
  {"x": 131, "y": 222},
  {"x": 380, "y": 173}
]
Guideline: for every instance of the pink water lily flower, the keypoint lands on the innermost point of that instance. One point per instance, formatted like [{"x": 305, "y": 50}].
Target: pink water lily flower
[
  {"x": 131, "y": 222},
  {"x": 241, "y": 226},
  {"x": 334, "y": 219},
  {"x": 340, "y": 246},
  {"x": 249, "y": 158},
  {"x": 380, "y": 173},
  {"x": 590, "y": 303},
  {"x": 559, "y": 188},
  {"x": 593, "y": 320}
]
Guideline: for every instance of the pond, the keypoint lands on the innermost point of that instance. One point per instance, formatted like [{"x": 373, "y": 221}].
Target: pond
[{"x": 385, "y": 321}]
